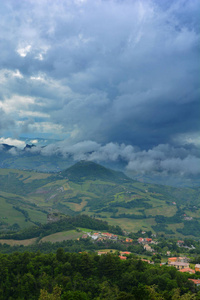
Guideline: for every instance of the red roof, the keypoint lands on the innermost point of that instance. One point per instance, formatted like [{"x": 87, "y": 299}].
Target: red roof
[
  {"x": 106, "y": 233},
  {"x": 172, "y": 258},
  {"x": 122, "y": 257},
  {"x": 125, "y": 252},
  {"x": 140, "y": 240},
  {"x": 196, "y": 281},
  {"x": 187, "y": 270},
  {"x": 148, "y": 239}
]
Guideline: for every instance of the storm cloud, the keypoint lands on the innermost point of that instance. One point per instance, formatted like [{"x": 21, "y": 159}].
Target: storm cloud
[{"x": 122, "y": 74}]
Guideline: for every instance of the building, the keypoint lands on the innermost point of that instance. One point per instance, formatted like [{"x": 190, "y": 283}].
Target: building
[
  {"x": 178, "y": 259},
  {"x": 129, "y": 240},
  {"x": 187, "y": 270},
  {"x": 125, "y": 253},
  {"x": 195, "y": 281},
  {"x": 172, "y": 259},
  {"x": 122, "y": 257},
  {"x": 180, "y": 243},
  {"x": 148, "y": 240},
  {"x": 148, "y": 248},
  {"x": 141, "y": 240},
  {"x": 102, "y": 252},
  {"x": 179, "y": 265},
  {"x": 197, "y": 268}
]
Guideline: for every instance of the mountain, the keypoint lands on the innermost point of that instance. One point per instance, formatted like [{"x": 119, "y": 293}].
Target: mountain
[
  {"x": 6, "y": 147},
  {"x": 88, "y": 170}
]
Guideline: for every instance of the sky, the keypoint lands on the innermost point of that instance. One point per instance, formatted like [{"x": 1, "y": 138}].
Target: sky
[{"x": 110, "y": 79}]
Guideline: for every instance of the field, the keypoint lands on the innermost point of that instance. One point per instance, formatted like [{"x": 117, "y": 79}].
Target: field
[
  {"x": 19, "y": 242},
  {"x": 62, "y": 236},
  {"x": 27, "y": 197}
]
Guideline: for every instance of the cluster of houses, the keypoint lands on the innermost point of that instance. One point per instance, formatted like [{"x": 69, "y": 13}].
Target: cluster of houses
[
  {"x": 182, "y": 264},
  {"x": 146, "y": 243},
  {"x": 102, "y": 236},
  {"x": 181, "y": 244}
]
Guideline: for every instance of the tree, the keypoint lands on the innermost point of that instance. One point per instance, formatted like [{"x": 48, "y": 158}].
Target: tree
[{"x": 44, "y": 295}]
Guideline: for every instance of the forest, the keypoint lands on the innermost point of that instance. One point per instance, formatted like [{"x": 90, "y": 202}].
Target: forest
[{"x": 85, "y": 276}]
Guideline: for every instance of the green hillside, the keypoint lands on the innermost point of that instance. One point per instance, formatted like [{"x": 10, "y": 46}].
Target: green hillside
[
  {"x": 87, "y": 170},
  {"x": 27, "y": 197}
]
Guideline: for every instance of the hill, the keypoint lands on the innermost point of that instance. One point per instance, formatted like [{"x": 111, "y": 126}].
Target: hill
[
  {"x": 27, "y": 197},
  {"x": 88, "y": 170}
]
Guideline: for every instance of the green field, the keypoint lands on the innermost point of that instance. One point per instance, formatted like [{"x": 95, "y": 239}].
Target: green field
[
  {"x": 62, "y": 236},
  {"x": 26, "y": 198}
]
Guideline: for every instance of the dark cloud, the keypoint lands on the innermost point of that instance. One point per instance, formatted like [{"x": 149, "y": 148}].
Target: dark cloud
[
  {"x": 6, "y": 122},
  {"x": 114, "y": 72}
]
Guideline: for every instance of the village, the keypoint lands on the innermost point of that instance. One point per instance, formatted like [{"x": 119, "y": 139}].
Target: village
[{"x": 181, "y": 263}]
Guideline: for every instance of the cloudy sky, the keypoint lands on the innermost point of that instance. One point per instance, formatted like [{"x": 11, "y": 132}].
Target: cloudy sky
[{"x": 116, "y": 78}]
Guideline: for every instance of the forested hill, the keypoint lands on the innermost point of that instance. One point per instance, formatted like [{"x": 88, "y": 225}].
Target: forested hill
[{"x": 63, "y": 224}]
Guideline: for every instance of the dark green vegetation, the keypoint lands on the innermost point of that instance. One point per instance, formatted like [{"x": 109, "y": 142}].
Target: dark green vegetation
[
  {"x": 64, "y": 224},
  {"x": 89, "y": 276},
  {"x": 27, "y": 197}
]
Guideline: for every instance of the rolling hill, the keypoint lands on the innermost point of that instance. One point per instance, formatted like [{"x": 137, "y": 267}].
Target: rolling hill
[{"x": 27, "y": 197}]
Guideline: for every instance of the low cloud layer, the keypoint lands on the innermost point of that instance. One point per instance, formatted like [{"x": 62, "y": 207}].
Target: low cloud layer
[{"x": 163, "y": 158}]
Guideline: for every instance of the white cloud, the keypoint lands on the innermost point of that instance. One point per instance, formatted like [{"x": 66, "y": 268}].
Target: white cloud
[
  {"x": 12, "y": 142},
  {"x": 23, "y": 51}
]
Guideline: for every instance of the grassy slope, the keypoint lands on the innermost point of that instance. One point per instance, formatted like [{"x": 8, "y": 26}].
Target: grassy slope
[{"x": 37, "y": 192}]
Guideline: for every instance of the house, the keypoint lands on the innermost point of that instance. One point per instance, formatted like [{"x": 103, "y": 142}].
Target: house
[
  {"x": 187, "y": 270},
  {"x": 129, "y": 240},
  {"x": 148, "y": 248},
  {"x": 122, "y": 257},
  {"x": 179, "y": 265},
  {"x": 183, "y": 259},
  {"x": 180, "y": 243},
  {"x": 125, "y": 253},
  {"x": 101, "y": 239},
  {"x": 197, "y": 268},
  {"x": 108, "y": 235},
  {"x": 102, "y": 252},
  {"x": 188, "y": 218},
  {"x": 168, "y": 253},
  {"x": 195, "y": 281},
  {"x": 146, "y": 260},
  {"x": 95, "y": 236},
  {"x": 178, "y": 259},
  {"x": 148, "y": 240},
  {"x": 140, "y": 240},
  {"x": 172, "y": 259}
]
